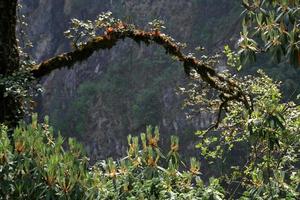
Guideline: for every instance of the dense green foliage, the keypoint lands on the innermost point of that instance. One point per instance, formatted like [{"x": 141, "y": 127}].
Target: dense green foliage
[
  {"x": 274, "y": 25},
  {"x": 38, "y": 167},
  {"x": 259, "y": 150}
]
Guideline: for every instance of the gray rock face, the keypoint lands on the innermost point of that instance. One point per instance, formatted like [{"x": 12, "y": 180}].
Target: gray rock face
[{"x": 105, "y": 127}]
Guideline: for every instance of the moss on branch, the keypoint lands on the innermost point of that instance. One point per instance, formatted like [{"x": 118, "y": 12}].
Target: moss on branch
[{"x": 225, "y": 86}]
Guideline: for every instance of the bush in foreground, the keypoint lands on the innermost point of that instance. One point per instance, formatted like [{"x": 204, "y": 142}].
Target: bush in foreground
[{"x": 37, "y": 166}]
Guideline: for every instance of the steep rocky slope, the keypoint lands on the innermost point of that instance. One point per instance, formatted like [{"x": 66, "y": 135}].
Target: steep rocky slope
[{"x": 120, "y": 91}]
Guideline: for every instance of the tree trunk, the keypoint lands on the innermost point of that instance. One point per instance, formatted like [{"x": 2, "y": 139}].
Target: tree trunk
[{"x": 9, "y": 60}]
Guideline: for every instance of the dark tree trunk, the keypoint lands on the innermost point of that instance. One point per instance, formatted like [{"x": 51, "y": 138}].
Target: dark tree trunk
[{"x": 9, "y": 60}]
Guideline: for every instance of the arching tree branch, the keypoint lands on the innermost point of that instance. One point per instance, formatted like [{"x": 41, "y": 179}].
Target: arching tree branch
[{"x": 227, "y": 87}]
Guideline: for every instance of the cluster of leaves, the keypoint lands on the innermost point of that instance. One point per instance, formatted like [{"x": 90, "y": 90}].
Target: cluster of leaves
[
  {"x": 20, "y": 87},
  {"x": 271, "y": 26},
  {"x": 36, "y": 166},
  {"x": 17, "y": 85},
  {"x": 233, "y": 58},
  {"x": 268, "y": 138},
  {"x": 81, "y": 31}
]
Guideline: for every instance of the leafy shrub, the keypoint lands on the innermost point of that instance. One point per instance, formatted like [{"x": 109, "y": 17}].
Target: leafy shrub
[
  {"x": 257, "y": 151},
  {"x": 37, "y": 166}
]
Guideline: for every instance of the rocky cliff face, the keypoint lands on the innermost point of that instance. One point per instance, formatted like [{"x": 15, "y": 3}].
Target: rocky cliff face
[{"x": 119, "y": 92}]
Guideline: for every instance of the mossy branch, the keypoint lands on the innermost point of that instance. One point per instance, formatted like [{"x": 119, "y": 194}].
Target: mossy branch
[{"x": 227, "y": 87}]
